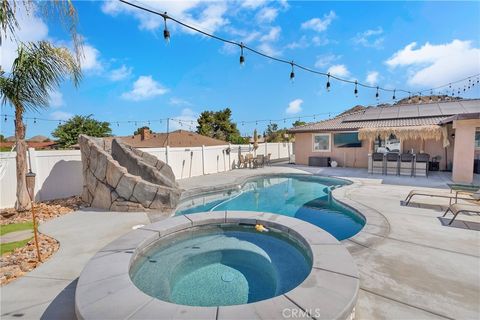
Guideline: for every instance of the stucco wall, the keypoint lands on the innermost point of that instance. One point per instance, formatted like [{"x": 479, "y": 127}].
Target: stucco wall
[
  {"x": 358, "y": 157},
  {"x": 464, "y": 151},
  {"x": 349, "y": 157}
]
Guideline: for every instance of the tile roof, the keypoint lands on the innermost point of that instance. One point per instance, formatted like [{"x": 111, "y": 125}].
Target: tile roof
[
  {"x": 179, "y": 138},
  {"x": 394, "y": 116}
]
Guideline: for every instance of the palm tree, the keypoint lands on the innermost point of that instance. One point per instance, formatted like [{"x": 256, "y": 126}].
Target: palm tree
[
  {"x": 63, "y": 10},
  {"x": 38, "y": 69}
]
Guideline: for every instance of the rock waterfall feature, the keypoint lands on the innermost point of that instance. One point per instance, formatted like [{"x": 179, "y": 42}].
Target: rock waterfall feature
[{"x": 118, "y": 177}]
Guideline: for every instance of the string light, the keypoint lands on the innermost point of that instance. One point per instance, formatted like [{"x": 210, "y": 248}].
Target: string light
[
  {"x": 167, "y": 37},
  {"x": 292, "y": 73},
  {"x": 242, "y": 58},
  {"x": 394, "y": 95},
  {"x": 5, "y": 118},
  {"x": 166, "y": 32},
  {"x": 376, "y": 94},
  {"x": 34, "y": 120},
  {"x": 356, "y": 90}
]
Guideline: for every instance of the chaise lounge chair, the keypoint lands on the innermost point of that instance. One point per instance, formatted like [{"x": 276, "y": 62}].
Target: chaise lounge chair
[
  {"x": 462, "y": 208},
  {"x": 439, "y": 194}
]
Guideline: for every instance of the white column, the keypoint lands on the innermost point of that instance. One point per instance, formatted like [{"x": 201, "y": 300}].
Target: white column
[{"x": 167, "y": 153}]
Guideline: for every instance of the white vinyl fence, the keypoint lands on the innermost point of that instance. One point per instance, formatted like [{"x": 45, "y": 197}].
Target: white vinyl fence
[{"x": 59, "y": 172}]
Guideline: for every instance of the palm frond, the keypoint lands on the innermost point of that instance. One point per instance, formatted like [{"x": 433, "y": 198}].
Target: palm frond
[{"x": 38, "y": 69}]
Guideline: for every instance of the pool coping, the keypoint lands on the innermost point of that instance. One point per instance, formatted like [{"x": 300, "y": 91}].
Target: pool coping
[{"x": 105, "y": 289}]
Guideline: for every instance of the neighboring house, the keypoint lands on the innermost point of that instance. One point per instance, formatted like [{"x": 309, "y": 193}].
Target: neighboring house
[
  {"x": 449, "y": 130},
  {"x": 38, "y": 142},
  {"x": 174, "y": 139}
]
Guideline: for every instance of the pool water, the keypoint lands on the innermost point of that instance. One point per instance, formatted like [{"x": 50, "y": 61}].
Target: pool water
[
  {"x": 220, "y": 266},
  {"x": 303, "y": 197}
]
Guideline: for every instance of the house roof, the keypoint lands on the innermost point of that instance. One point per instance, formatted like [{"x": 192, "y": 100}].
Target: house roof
[
  {"x": 394, "y": 116},
  {"x": 179, "y": 138}
]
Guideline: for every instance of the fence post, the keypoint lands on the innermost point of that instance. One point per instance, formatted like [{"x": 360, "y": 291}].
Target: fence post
[
  {"x": 266, "y": 150},
  {"x": 167, "y": 153},
  {"x": 230, "y": 157},
  {"x": 203, "y": 159}
]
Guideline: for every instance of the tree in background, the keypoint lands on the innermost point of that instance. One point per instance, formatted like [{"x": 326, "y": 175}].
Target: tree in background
[
  {"x": 218, "y": 125},
  {"x": 139, "y": 130},
  {"x": 299, "y": 123},
  {"x": 38, "y": 69},
  {"x": 67, "y": 133},
  {"x": 274, "y": 134}
]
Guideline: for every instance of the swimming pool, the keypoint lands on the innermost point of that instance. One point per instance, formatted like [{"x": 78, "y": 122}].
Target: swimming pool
[{"x": 304, "y": 197}]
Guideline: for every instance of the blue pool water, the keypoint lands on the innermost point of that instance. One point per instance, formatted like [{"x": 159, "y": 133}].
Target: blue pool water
[
  {"x": 303, "y": 197},
  {"x": 220, "y": 266}
]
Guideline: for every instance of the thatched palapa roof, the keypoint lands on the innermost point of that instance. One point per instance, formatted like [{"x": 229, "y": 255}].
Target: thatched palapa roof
[{"x": 430, "y": 132}]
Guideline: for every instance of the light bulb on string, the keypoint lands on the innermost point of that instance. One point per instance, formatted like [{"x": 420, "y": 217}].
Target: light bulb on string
[
  {"x": 242, "y": 58},
  {"x": 328, "y": 82},
  {"x": 5, "y": 118},
  {"x": 377, "y": 95},
  {"x": 394, "y": 94},
  {"x": 34, "y": 120},
  {"x": 292, "y": 73},
  {"x": 118, "y": 124},
  {"x": 355, "y": 92},
  {"x": 166, "y": 32}
]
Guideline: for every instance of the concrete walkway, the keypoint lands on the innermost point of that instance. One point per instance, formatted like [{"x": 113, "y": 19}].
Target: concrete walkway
[{"x": 48, "y": 292}]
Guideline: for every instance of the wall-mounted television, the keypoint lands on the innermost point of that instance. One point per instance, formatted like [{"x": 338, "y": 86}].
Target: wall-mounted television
[{"x": 346, "y": 140}]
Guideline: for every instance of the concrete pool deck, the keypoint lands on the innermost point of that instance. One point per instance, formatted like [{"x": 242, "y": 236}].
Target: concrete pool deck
[{"x": 420, "y": 269}]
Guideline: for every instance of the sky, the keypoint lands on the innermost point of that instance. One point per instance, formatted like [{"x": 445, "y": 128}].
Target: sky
[{"x": 131, "y": 74}]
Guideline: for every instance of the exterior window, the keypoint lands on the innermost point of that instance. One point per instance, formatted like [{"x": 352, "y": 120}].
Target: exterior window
[
  {"x": 477, "y": 139},
  {"x": 346, "y": 140},
  {"x": 392, "y": 144},
  {"x": 321, "y": 142}
]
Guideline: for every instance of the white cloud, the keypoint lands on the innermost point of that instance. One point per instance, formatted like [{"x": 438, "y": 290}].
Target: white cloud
[
  {"x": 318, "y": 24},
  {"x": 32, "y": 28},
  {"x": 268, "y": 49},
  {"x": 175, "y": 101},
  {"x": 294, "y": 106},
  {"x": 60, "y": 115},
  {"x": 432, "y": 65},
  {"x": 267, "y": 14},
  {"x": 144, "y": 88},
  {"x": 325, "y": 60},
  {"x": 90, "y": 59},
  {"x": 339, "y": 70},
  {"x": 372, "y": 78},
  {"x": 187, "y": 120},
  {"x": 272, "y": 35},
  {"x": 253, "y": 4},
  {"x": 370, "y": 38},
  {"x": 120, "y": 73},
  {"x": 56, "y": 99},
  {"x": 210, "y": 16}
]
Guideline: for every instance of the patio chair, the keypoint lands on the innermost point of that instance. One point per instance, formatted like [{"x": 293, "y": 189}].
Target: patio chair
[
  {"x": 249, "y": 159},
  {"x": 421, "y": 164},
  {"x": 392, "y": 163},
  {"x": 241, "y": 162},
  {"x": 378, "y": 162},
  {"x": 406, "y": 164},
  {"x": 260, "y": 162},
  {"x": 267, "y": 159},
  {"x": 442, "y": 194},
  {"x": 458, "y": 208}
]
